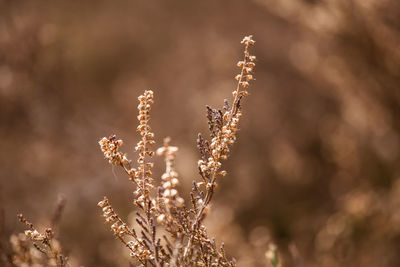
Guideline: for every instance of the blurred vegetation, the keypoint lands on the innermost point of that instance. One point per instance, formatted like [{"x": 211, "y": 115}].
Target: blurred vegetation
[{"x": 315, "y": 169}]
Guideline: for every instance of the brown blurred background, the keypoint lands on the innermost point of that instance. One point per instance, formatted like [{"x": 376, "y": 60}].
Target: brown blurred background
[{"x": 316, "y": 165}]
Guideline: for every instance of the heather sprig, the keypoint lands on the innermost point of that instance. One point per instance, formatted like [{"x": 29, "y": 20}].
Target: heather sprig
[
  {"x": 223, "y": 128},
  {"x": 188, "y": 242},
  {"x": 46, "y": 249},
  {"x": 144, "y": 247}
]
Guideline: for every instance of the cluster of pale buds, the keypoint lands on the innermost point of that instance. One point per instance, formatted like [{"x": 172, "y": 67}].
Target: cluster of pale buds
[
  {"x": 35, "y": 235},
  {"x": 169, "y": 179},
  {"x": 144, "y": 108},
  {"x": 248, "y": 40},
  {"x": 119, "y": 229},
  {"x": 138, "y": 250},
  {"x": 110, "y": 147},
  {"x": 108, "y": 212},
  {"x": 247, "y": 65}
]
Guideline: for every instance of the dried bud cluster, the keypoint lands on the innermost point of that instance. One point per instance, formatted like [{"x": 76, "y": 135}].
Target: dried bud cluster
[
  {"x": 110, "y": 147},
  {"x": 143, "y": 173},
  {"x": 144, "y": 108},
  {"x": 35, "y": 235},
  {"x": 247, "y": 66},
  {"x": 169, "y": 180},
  {"x": 118, "y": 227}
]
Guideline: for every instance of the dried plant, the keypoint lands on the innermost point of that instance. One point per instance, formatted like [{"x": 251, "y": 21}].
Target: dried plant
[
  {"x": 187, "y": 241},
  {"x": 34, "y": 248}
]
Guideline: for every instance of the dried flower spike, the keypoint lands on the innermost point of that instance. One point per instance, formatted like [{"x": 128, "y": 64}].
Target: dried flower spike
[
  {"x": 169, "y": 180},
  {"x": 223, "y": 129}
]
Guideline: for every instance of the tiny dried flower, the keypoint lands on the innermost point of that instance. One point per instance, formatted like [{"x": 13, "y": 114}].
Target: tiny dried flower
[{"x": 248, "y": 40}]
